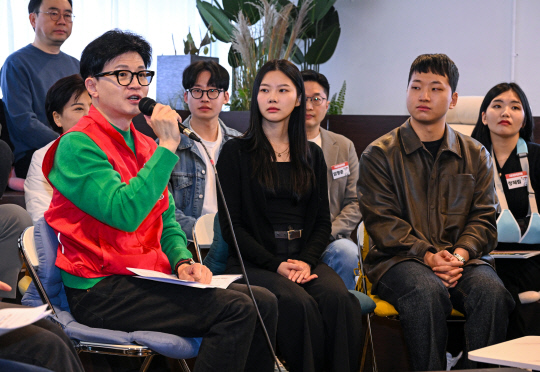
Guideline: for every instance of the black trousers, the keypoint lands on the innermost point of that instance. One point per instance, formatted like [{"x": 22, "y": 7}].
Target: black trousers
[
  {"x": 42, "y": 344},
  {"x": 225, "y": 318},
  {"x": 320, "y": 322},
  {"x": 521, "y": 276}
]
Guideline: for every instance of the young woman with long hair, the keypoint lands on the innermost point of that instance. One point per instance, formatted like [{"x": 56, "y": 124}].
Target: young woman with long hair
[
  {"x": 505, "y": 126},
  {"x": 275, "y": 186}
]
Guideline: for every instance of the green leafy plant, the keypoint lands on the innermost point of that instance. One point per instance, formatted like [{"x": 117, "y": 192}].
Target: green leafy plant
[
  {"x": 191, "y": 48},
  {"x": 260, "y": 30},
  {"x": 320, "y": 39},
  {"x": 254, "y": 45},
  {"x": 338, "y": 101}
]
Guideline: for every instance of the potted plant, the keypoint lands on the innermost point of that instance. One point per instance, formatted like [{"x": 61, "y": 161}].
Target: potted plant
[{"x": 306, "y": 33}]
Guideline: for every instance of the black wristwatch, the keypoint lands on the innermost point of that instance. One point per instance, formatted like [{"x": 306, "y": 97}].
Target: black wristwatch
[{"x": 188, "y": 261}]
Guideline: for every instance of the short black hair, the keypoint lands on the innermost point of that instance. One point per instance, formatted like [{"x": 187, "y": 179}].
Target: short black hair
[
  {"x": 219, "y": 77},
  {"x": 109, "y": 46},
  {"x": 481, "y": 132},
  {"x": 439, "y": 64},
  {"x": 59, "y": 95},
  {"x": 311, "y": 75},
  {"x": 33, "y": 5}
]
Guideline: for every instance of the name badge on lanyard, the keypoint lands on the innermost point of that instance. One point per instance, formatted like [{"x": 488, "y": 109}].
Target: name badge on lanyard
[
  {"x": 340, "y": 170},
  {"x": 518, "y": 179}
]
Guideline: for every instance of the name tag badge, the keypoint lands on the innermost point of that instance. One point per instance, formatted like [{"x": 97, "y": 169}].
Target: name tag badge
[
  {"x": 518, "y": 179},
  {"x": 340, "y": 170}
]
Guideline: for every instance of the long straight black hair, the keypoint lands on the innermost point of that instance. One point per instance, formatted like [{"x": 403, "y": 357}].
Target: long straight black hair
[
  {"x": 481, "y": 131},
  {"x": 264, "y": 157}
]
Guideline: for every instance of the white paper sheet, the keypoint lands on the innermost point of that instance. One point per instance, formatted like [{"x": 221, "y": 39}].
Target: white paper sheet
[
  {"x": 17, "y": 317},
  {"x": 218, "y": 281},
  {"x": 514, "y": 254}
]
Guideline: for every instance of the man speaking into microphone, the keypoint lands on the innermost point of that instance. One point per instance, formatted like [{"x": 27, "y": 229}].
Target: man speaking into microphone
[{"x": 111, "y": 209}]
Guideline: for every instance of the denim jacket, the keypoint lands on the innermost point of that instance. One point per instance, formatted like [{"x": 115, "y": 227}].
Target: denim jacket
[{"x": 188, "y": 178}]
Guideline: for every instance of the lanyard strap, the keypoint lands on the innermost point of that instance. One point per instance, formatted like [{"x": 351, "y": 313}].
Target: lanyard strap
[
  {"x": 525, "y": 167},
  {"x": 522, "y": 153}
]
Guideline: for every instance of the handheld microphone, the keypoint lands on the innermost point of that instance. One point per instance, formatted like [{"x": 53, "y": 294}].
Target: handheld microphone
[{"x": 147, "y": 104}]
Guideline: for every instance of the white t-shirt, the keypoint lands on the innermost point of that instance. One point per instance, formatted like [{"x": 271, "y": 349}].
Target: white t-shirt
[
  {"x": 317, "y": 140},
  {"x": 37, "y": 190},
  {"x": 210, "y": 191}
]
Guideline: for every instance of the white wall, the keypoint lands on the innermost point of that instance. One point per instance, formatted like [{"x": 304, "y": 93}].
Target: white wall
[
  {"x": 379, "y": 41},
  {"x": 381, "y": 38},
  {"x": 528, "y": 51},
  {"x": 155, "y": 20}
]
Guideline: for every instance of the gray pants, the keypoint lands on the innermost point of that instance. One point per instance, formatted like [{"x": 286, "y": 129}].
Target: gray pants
[
  {"x": 13, "y": 220},
  {"x": 424, "y": 304}
]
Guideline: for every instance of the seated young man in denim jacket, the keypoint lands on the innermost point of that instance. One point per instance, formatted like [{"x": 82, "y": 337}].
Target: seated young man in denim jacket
[{"x": 193, "y": 182}]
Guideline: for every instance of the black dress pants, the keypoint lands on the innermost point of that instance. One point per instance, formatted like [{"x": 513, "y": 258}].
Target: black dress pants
[
  {"x": 42, "y": 344},
  {"x": 320, "y": 322},
  {"x": 225, "y": 318}
]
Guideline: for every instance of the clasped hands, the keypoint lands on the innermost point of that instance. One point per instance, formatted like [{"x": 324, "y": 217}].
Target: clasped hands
[
  {"x": 446, "y": 266},
  {"x": 195, "y": 273},
  {"x": 297, "y": 271}
]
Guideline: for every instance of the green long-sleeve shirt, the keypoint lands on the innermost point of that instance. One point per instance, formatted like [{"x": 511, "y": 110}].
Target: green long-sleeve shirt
[{"x": 82, "y": 173}]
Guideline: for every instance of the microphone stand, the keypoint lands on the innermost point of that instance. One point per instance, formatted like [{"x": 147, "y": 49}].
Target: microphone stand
[{"x": 241, "y": 260}]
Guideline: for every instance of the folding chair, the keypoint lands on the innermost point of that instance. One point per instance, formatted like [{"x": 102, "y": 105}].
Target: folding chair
[
  {"x": 38, "y": 246},
  {"x": 383, "y": 308},
  {"x": 203, "y": 233}
]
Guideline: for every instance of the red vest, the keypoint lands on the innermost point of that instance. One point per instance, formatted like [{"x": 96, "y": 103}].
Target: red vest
[{"x": 89, "y": 248}]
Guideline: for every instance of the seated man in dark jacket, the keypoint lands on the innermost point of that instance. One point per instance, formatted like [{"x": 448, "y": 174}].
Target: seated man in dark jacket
[{"x": 427, "y": 197}]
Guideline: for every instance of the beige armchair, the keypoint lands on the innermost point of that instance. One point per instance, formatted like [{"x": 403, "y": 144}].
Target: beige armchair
[{"x": 463, "y": 117}]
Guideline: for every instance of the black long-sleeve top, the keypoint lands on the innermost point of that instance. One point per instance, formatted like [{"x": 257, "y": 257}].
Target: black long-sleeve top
[{"x": 247, "y": 205}]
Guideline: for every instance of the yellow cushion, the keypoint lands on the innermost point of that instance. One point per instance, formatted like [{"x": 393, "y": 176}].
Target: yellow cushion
[
  {"x": 23, "y": 284},
  {"x": 386, "y": 309},
  {"x": 383, "y": 308}
]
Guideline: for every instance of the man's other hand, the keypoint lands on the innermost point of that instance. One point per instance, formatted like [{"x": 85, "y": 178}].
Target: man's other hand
[{"x": 195, "y": 273}]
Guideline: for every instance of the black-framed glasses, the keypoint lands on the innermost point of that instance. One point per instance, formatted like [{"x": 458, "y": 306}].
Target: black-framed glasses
[
  {"x": 316, "y": 101},
  {"x": 55, "y": 16},
  {"x": 125, "y": 77},
  {"x": 210, "y": 93}
]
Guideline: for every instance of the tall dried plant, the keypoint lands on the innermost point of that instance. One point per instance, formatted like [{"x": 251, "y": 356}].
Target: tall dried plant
[{"x": 264, "y": 41}]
